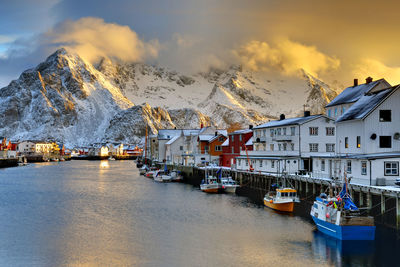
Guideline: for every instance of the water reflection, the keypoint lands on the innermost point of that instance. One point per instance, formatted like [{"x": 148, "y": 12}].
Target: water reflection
[
  {"x": 340, "y": 252},
  {"x": 104, "y": 164}
]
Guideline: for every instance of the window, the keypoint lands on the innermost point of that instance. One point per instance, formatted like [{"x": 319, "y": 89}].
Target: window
[
  {"x": 218, "y": 148},
  {"x": 322, "y": 165},
  {"x": 313, "y": 147},
  {"x": 292, "y": 130},
  {"x": 279, "y": 131},
  {"x": 335, "y": 112},
  {"x": 330, "y": 131},
  {"x": 271, "y": 146},
  {"x": 206, "y": 148},
  {"x": 391, "y": 168},
  {"x": 385, "y": 141},
  {"x": 313, "y": 130},
  {"x": 284, "y": 146},
  {"x": 344, "y": 109},
  {"x": 221, "y": 139},
  {"x": 181, "y": 148},
  {"x": 346, "y": 142},
  {"x": 261, "y": 163},
  {"x": 292, "y": 146},
  {"x": 363, "y": 168},
  {"x": 279, "y": 147},
  {"x": 348, "y": 169},
  {"x": 247, "y": 163},
  {"x": 330, "y": 147},
  {"x": 273, "y": 164},
  {"x": 284, "y": 131},
  {"x": 231, "y": 138},
  {"x": 358, "y": 141},
  {"x": 385, "y": 115},
  {"x": 265, "y": 132},
  {"x": 271, "y": 132},
  {"x": 329, "y": 112},
  {"x": 233, "y": 150},
  {"x": 240, "y": 138}
]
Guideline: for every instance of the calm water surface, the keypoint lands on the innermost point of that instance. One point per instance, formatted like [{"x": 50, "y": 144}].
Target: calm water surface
[{"x": 100, "y": 213}]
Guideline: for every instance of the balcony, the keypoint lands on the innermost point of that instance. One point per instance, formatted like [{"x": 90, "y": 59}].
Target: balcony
[{"x": 282, "y": 138}]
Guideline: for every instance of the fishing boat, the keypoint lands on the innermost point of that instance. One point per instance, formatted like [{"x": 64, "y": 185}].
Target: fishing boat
[
  {"x": 151, "y": 172},
  {"x": 143, "y": 170},
  {"x": 211, "y": 184},
  {"x": 163, "y": 175},
  {"x": 340, "y": 218},
  {"x": 176, "y": 176},
  {"x": 229, "y": 185},
  {"x": 282, "y": 199}
]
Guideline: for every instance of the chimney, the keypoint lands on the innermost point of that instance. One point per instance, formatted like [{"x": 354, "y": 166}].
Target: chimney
[
  {"x": 216, "y": 133},
  {"x": 250, "y": 126},
  {"x": 368, "y": 80},
  {"x": 201, "y": 126},
  {"x": 282, "y": 117},
  {"x": 307, "y": 113},
  {"x": 355, "y": 82}
]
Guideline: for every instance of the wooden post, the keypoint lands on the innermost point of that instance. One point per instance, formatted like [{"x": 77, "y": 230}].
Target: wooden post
[
  {"x": 369, "y": 200},
  {"x": 382, "y": 204},
  {"x": 306, "y": 188},
  {"x": 397, "y": 212},
  {"x": 361, "y": 199},
  {"x": 313, "y": 188}
]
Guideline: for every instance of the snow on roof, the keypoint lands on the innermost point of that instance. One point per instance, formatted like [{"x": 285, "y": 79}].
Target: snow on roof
[
  {"x": 364, "y": 105},
  {"x": 172, "y": 140},
  {"x": 353, "y": 93},
  {"x": 291, "y": 121},
  {"x": 223, "y": 132},
  {"x": 206, "y": 137},
  {"x": 168, "y": 133},
  {"x": 191, "y": 132},
  {"x": 242, "y": 131},
  {"x": 249, "y": 142},
  {"x": 226, "y": 143}
]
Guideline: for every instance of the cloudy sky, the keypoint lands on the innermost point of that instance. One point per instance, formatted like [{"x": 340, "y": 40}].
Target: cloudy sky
[{"x": 334, "y": 40}]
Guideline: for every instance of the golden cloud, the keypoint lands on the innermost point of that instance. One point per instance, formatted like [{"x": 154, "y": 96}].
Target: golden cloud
[
  {"x": 92, "y": 38},
  {"x": 285, "y": 56}
]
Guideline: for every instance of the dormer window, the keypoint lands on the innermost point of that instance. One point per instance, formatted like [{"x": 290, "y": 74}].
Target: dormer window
[{"x": 385, "y": 115}]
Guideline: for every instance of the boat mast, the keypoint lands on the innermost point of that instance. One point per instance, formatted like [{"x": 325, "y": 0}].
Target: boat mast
[{"x": 145, "y": 147}]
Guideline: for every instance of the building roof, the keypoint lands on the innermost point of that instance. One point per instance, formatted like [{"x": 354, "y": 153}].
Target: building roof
[
  {"x": 172, "y": 140},
  {"x": 249, "y": 142},
  {"x": 226, "y": 143},
  {"x": 244, "y": 131},
  {"x": 365, "y": 105},
  {"x": 353, "y": 93},
  {"x": 290, "y": 121},
  {"x": 206, "y": 137},
  {"x": 190, "y": 132},
  {"x": 168, "y": 133}
]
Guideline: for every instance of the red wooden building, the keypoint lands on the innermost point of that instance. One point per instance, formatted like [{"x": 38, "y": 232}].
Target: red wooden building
[{"x": 235, "y": 143}]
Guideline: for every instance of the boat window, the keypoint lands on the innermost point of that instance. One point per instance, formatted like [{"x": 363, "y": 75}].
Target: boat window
[{"x": 316, "y": 206}]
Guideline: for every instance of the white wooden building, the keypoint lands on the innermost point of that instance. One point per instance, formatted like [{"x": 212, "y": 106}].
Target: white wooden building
[
  {"x": 288, "y": 145},
  {"x": 368, "y": 140}
]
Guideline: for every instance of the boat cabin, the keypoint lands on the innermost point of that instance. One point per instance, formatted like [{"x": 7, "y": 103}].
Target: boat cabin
[{"x": 286, "y": 192}]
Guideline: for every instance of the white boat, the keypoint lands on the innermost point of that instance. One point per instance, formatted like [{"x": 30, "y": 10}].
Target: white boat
[
  {"x": 143, "y": 170},
  {"x": 229, "y": 185},
  {"x": 151, "y": 172},
  {"x": 111, "y": 158},
  {"x": 162, "y": 176},
  {"x": 176, "y": 176},
  {"x": 211, "y": 184}
]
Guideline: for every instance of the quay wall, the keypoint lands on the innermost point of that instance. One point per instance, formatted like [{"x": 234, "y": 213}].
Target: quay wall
[{"x": 383, "y": 203}]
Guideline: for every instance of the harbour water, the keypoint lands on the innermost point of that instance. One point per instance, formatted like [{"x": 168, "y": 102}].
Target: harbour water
[{"x": 102, "y": 213}]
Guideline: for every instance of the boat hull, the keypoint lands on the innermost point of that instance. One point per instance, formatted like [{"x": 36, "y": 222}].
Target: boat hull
[
  {"x": 286, "y": 207},
  {"x": 345, "y": 232},
  {"x": 211, "y": 188},
  {"x": 230, "y": 189}
]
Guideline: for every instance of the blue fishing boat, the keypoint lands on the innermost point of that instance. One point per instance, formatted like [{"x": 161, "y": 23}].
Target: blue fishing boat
[{"x": 340, "y": 218}]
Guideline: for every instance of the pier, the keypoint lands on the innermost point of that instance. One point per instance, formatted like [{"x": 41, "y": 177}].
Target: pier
[{"x": 381, "y": 202}]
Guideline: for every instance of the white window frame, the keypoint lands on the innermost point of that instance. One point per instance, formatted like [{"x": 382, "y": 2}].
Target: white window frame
[
  {"x": 330, "y": 131},
  {"x": 313, "y": 131},
  {"x": 313, "y": 147},
  {"x": 394, "y": 167},
  {"x": 364, "y": 168},
  {"x": 348, "y": 166}
]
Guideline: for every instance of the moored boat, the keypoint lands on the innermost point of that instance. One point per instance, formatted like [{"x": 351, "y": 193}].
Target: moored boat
[
  {"x": 176, "y": 176},
  {"x": 282, "y": 199},
  {"x": 229, "y": 185},
  {"x": 340, "y": 218},
  {"x": 151, "y": 172},
  {"x": 143, "y": 170},
  {"x": 211, "y": 184}
]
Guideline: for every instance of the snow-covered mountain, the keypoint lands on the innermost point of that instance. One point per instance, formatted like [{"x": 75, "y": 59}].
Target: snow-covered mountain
[{"x": 67, "y": 99}]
